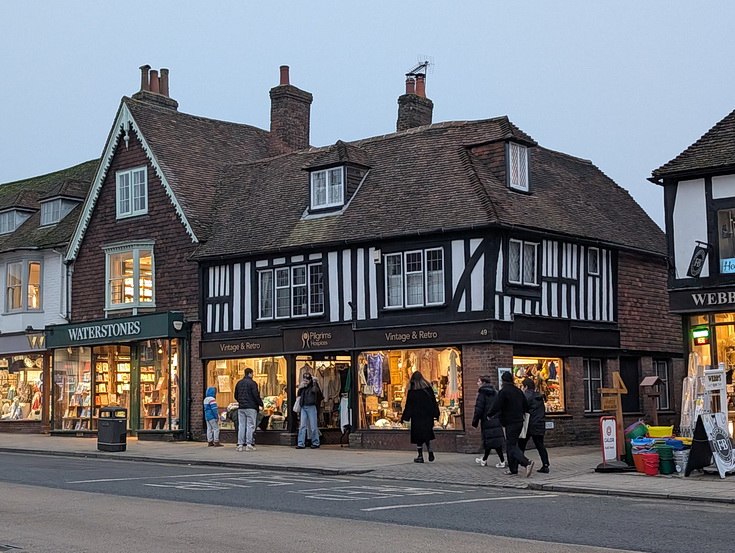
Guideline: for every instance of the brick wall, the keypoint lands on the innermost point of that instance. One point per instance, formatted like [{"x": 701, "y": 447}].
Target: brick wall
[
  {"x": 176, "y": 281},
  {"x": 196, "y": 385},
  {"x": 21, "y": 427}
]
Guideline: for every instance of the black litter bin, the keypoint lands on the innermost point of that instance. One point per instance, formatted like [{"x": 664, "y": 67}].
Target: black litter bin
[{"x": 112, "y": 431}]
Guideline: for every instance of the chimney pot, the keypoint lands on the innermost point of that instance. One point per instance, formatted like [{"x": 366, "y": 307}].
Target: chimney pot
[
  {"x": 421, "y": 86},
  {"x": 410, "y": 85},
  {"x": 144, "y": 83},
  {"x": 164, "y": 82},
  {"x": 154, "y": 81},
  {"x": 284, "y": 75}
]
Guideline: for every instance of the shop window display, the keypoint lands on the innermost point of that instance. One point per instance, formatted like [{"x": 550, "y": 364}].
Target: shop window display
[
  {"x": 159, "y": 385},
  {"x": 269, "y": 373},
  {"x": 383, "y": 378},
  {"x": 72, "y": 388},
  {"x": 20, "y": 387},
  {"x": 547, "y": 374},
  {"x": 333, "y": 376}
]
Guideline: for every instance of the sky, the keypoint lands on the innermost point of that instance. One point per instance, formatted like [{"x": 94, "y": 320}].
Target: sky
[{"x": 625, "y": 84}]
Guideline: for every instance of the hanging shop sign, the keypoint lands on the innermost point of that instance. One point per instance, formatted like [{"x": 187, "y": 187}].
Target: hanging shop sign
[
  {"x": 711, "y": 440},
  {"x": 124, "y": 329},
  {"x": 245, "y": 347},
  {"x": 702, "y": 300},
  {"x": 460, "y": 333},
  {"x": 337, "y": 337},
  {"x": 608, "y": 438},
  {"x": 698, "y": 257}
]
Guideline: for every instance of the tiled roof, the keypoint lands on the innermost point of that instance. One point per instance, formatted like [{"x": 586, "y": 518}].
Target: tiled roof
[
  {"x": 715, "y": 149},
  {"x": 192, "y": 150},
  {"x": 424, "y": 180},
  {"x": 71, "y": 182}
]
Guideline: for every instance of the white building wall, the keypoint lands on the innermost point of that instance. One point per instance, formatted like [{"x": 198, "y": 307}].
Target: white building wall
[{"x": 689, "y": 224}]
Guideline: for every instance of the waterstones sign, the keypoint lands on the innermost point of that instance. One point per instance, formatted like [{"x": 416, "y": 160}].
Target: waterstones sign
[
  {"x": 110, "y": 330},
  {"x": 702, "y": 300}
]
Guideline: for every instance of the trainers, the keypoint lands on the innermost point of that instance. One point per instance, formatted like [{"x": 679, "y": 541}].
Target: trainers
[
  {"x": 481, "y": 462},
  {"x": 312, "y": 446},
  {"x": 249, "y": 448},
  {"x": 500, "y": 465},
  {"x": 239, "y": 448},
  {"x": 300, "y": 447},
  {"x": 544, "y": 469},
  {"x": 508, "y": 471},
  {"x": 529, "y": 468}
]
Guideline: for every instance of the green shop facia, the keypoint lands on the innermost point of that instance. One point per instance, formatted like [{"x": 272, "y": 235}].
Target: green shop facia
[{"x": 139, "y": 363}]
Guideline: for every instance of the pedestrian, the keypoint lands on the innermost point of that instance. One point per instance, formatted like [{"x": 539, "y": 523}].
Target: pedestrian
[
  {"x": 492, "y": 430},
  {"x": 249, "y": 403},
  {"x": 421, "y": 409},
  {"x": 511, "y": 406},
  {"x": 211, "y": 416},
  {"x": 311, "y": 396},
  {"x": 536, "y": 423}
]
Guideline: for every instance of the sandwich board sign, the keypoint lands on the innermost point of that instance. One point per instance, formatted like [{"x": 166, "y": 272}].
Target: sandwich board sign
[
  {"x": 711, "y": 440},
  {"x": 609, "y": 438}
]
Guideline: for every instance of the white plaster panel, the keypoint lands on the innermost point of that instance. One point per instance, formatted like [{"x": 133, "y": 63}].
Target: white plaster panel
[
  {"x": 723, "y": 187},
  {"x": 690, "y": 224}
]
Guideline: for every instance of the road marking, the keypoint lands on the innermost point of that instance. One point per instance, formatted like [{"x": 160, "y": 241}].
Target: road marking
[
  {"x": 361, "y": 493},
  {"x": 152, "y": 477},
  {"x": 457, "y": 501}
]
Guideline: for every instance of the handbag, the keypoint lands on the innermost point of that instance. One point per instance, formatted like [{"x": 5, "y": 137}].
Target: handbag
[
  {"x": 526, "y": 419},
  {"x": 297, "y": 405}
]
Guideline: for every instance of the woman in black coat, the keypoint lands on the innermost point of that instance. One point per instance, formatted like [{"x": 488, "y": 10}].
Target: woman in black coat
[
  {"x": 421, "y": 409},
  {"x": 536, "y": 423},
  {"x": 492, "y": 430}
]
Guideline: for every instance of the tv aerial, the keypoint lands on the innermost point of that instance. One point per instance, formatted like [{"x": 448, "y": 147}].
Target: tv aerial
[{"x": 425, "y": 65}]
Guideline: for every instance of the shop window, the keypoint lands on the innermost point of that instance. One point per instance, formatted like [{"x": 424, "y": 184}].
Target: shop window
[
  {"x": 23, "y": 286},
  {"x": 72, "y": 389},
  {"x": 415, "y": 278},
  {"x": 592, "y": 381},
  {"x": 158, "y": 404},
  {"x": 518, "y": 167},
  {"x": 132, "y": 192},
  {"x": 20, "y": 387},
  {"x": 383, "y": 378},
  {"x": 130, "y": 276},
  {"x": 291, "y": 291},
  {"x": 327, "y": 188},
  {"x": 522, "y": 262},
  {"x": 269, "y": 373},
  {"x": 548, "y": 376},
  {"x": 662, "y": 370},
  {"x": 593, "y": 261}
]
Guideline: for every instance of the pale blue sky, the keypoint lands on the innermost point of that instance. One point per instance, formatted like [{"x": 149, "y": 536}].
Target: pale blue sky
[{"x": 626, "y": 84}]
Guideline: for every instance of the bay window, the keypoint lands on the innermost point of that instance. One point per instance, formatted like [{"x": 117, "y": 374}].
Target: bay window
[{"x": 23, "y": 286}]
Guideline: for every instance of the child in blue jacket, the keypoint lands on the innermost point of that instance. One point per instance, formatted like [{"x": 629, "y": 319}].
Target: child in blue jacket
[{"x": 211, "y": 415}]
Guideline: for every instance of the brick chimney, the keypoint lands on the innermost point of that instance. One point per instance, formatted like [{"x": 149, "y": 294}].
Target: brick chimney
[
  {"x": 154, "y": 87},
  {"x": 414, "y": 108},
  {"x": 290, "y": 116}
]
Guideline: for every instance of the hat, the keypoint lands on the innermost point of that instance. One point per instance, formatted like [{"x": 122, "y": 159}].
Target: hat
[
  {"x": 507, "y": 377},
  {"x": 307, "y": 376}
]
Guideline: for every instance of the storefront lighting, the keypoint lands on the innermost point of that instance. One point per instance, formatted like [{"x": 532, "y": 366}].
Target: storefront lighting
[
  {"x": 700, "y": 336},
  {"x": 178, "y": 325}
]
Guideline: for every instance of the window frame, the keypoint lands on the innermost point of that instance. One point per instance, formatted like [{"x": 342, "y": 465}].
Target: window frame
[
  {"x": 521, "y": 263},
  {"x": 666, "y": 379},
  {"x": 518, "y": 167},
  {"x": 130, "y": 187},
  {"x": 53, "y": 208},
  {"x": 596, "y": 252},
  {"x": 592, "y": 399},
  {"x": 268, "y": 308},
  {"x": 135, "y": 248},
  {"x": 24, "y": 286},
  {"x": 403, "y": 278},
  {"x": 328, "y": 188}
]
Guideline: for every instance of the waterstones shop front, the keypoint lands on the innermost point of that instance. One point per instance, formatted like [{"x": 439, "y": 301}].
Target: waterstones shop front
[{"x": 139, "y": 363}]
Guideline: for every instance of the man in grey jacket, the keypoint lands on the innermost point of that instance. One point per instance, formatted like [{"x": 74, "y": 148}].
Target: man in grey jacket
[{"x": 248, "y": 404}]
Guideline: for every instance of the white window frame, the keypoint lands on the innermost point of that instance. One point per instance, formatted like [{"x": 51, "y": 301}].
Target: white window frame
[
  {"x": 268, "y": 303},
  {"x": 518, "y": 167},
  {"x": 593, "y": 254},
  {"x": 334, "y": 191},
  {"x": 522, "y": 280},
  {"x": 24, "y": 286},
  {"x": 8, "y": 221},
  {"x": 401, "y": 279},
  {"x": 661, "y": 368},
  {"x": 592, "y": 401},
  {"x": 127, "y": 204},
  {"x": 51, "y": 212},
  {"x": 135, "y": 248}
]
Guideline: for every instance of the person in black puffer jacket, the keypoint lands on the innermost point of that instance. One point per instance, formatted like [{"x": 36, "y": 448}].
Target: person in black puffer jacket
[
  {"x": 492, "y": 430},
  {"x": 536, "y": 424},
  {"x": 511, "y": 405}
]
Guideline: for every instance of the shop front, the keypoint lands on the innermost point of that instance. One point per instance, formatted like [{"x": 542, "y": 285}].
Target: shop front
[
  {"x": 139, "y": 363},
  {"x": 24, "y": 374}
]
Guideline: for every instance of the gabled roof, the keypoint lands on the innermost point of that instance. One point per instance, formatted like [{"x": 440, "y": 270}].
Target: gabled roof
[
  {"x": 187, "y": 152},
  {"x": 26, "y": 194},
  {"x": 714, "y": 150},
  {"x": 421, "y": 181},
  {"x": 340, "y": 153}
]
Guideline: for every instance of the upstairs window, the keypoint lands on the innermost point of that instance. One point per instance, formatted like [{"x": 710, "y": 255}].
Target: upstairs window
[
  {"x": 518, "y": 167},
  {"x": 726, "y": 232},
  {"x": 415, "y": 278},
  {"x": 50, "y": 212},
  {"x": 327, "y": 188},
  {"x": 286, "y": 292},
  {"x": 11, "y": 220},
  {"x": 130, "y": 276},
  {"x": 593, "y": 261},
  {"x": 522, "y": 263},
  {"x": 23, "y": 286},
  {"x": 132, "y": 192}
]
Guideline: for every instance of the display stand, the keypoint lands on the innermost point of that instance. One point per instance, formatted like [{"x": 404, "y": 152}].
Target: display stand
[
  {"x": 711, "y": 440},
  {"x": 611, "y": 402}
]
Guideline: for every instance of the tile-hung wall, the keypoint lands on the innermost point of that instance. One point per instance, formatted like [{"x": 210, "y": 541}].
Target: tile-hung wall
[{"x": 568, "y": 288}]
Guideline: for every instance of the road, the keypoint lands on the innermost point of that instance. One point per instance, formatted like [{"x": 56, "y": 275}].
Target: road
[{"x": 58, "y": 504}]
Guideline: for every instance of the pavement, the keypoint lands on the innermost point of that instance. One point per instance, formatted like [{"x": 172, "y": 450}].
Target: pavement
[{"x": 572, "y": 468}]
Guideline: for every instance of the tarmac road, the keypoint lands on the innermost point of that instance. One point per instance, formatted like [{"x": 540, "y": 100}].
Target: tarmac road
[{"x": 75, "y": 504}]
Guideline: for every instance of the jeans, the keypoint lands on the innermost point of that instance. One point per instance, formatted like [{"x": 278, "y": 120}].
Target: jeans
[
  {"x": 212, "y": 430},
  {"x": 538, "y": 441},
  {"x": 515, "y": 455},
  {"x": 246, "y": 426},
  {"x": 308, "y": 422}
]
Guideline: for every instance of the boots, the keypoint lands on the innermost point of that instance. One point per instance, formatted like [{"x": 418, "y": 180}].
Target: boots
[
  {"x": 210, "y": 444},
  {"x": 217, "y": 444},
  {"x": 420, "y": 458}
]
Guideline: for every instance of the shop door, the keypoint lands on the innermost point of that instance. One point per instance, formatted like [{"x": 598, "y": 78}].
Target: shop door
[{"x": 630, "y": 373}]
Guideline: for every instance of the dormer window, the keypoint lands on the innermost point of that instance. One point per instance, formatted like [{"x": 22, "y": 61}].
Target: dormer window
[
  {"x": 11, "y": 220},
  {"x": 50, "y": 212},
  {"x": 327, "y": 188},
  {"x": 132, "y": 192},
  {"x": 518, "y": 167}
]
